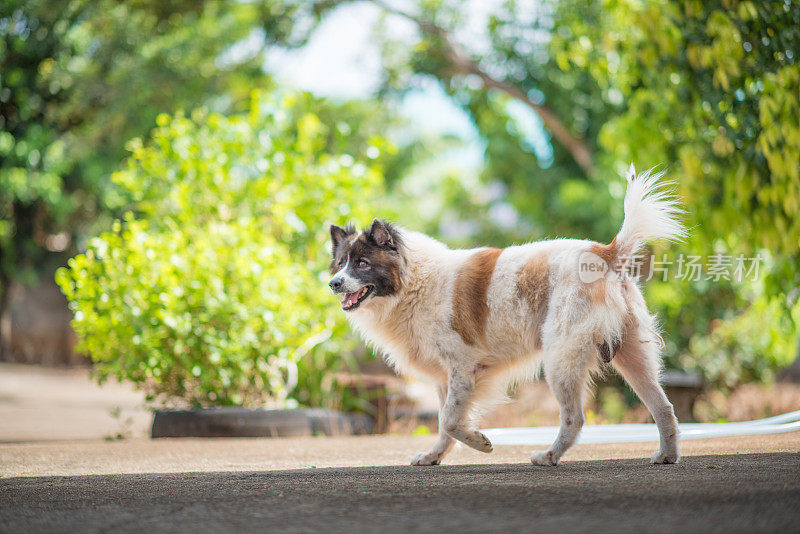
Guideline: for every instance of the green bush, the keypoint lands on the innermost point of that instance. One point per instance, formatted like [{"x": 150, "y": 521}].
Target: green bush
[
  {"x": 751, "y": 346},
  {"x": 212, "y": 290}
]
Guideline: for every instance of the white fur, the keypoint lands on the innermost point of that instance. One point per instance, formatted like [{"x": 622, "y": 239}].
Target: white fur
[
  {"x": 349, "y": 284},
  {"x": 414, "y": 328},
  {"x": 651, "y": 212}
]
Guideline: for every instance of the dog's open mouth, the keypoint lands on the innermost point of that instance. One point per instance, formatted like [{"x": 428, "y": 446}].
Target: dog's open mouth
[{"x": 351, "y": 301}]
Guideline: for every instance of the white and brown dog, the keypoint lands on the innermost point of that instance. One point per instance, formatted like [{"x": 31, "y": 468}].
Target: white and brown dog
[{"x": 474, "y": 320}]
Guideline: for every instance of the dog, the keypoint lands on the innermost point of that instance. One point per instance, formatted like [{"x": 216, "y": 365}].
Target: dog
[{"x": 475, "y": 320}]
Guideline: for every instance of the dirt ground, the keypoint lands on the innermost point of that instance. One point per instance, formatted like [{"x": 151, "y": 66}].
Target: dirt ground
[
  {"x": 208, "y": 455},
  {"x": 56, "y": 404},
  {"x": 46, "y": 403}
]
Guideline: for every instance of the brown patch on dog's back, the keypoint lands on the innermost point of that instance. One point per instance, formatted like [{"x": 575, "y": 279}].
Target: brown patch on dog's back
[
  {"x": 533, "y": 285},
  {"x": 607, "y": 252},
  {"x": 470, "y": 308}
]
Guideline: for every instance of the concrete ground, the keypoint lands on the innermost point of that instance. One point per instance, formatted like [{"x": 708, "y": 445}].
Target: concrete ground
[
  {"x": 46, "y": 403},
  {"x": 362, "y": 484},
  {"x": 58, "y": 474},
  {"x": 138, "y": 456}
]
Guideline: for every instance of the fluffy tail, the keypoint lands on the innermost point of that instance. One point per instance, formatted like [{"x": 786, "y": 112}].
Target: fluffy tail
[{"x": 651, "y": 212}]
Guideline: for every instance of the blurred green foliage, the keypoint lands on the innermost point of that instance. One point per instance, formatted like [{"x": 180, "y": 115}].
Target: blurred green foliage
[
  {"x": 712, "y": 89},
  {"x": 79, "y": 78},
  {"x": 709, "y": 89},
  {"x": 212, "y": 291},
  {"x": 712, "y": 86},
  {"x": 554, "y": 196},
  {"x": 750, "y": 346}
]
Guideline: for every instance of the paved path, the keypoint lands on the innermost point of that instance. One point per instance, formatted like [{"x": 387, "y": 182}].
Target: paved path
[
  {"x": 724, "y": 493},
  {"x": 361, "y": 484},
  {"x": 45, "y": 403},
  {"x": 211, "y": 455},
  {"x": 355, "y": 484}
]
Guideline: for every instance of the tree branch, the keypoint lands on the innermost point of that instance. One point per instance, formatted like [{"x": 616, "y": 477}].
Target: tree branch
[{"x": 462, "y": 64}]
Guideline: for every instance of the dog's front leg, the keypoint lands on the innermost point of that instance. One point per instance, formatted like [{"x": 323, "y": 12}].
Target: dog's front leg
[
  {"x": 460, "y": 389},
  {"x": 455, "y": 401},
  {"x": 445, "y": 441}
]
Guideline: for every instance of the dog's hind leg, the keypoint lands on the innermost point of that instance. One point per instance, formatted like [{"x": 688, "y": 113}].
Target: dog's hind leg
[
  {"x": 445, "y": 441},
  {"x": 638, "y": 362},
  {"x": 567, "y": 375}
]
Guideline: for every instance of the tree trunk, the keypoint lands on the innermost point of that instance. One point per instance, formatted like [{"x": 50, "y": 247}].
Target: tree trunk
[
  {"x": 792, "y": 373},
  {"x": 5, "y": 321}
]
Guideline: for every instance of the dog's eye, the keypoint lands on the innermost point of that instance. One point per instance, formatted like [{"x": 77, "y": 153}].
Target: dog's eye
[{"x": 363, "y": 263}]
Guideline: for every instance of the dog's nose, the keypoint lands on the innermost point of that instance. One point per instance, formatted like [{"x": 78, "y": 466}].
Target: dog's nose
[{"x": 336, "y": 284}]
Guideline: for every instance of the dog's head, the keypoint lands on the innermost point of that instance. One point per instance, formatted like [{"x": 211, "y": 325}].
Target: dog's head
[{"x": 366, "y": 264}]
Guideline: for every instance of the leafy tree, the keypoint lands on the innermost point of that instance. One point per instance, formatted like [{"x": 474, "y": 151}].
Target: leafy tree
[
  {"x": 79, "y": 78},
  {"x": 557, "y": 194},
  {"x": 712, "y": 86},
  {"x": 714, "y": 89},
  {"x": 708, "y": 88},
  {"x": 212, "y": 291}
]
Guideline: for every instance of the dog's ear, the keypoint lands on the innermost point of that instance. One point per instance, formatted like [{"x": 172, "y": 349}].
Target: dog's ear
[
  {"x": 338, "y": 234},
  {"x": 380, "y": 234}
]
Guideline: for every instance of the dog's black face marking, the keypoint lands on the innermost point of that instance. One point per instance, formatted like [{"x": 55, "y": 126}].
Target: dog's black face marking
[
  {"x": 339, "y": 235},
  {"x": 367, "y": 263}
]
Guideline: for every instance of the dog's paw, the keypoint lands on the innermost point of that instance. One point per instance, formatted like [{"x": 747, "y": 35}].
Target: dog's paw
[
  {"x": 544, "y": 458},
  {"x": 426, "y": 458},
  {"x": 479, "y": 442},
  {"x": 661, "y": 457}
]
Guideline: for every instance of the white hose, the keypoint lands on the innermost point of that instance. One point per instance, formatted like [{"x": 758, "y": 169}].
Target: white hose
[{"x": 629, "y": 433}]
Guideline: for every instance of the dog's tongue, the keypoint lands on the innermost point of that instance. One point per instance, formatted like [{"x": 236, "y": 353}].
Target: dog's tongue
[{"x": 350, "y": 299}]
